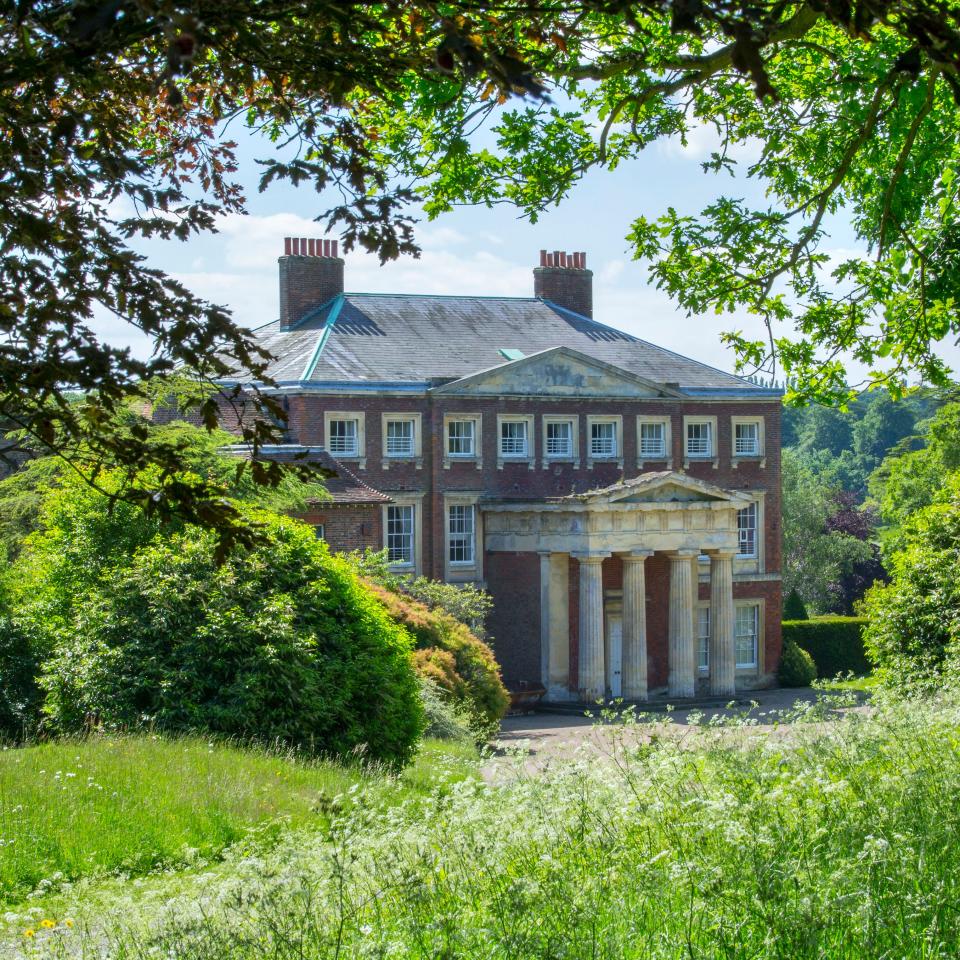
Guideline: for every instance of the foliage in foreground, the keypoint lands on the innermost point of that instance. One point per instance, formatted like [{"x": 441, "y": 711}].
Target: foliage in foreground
[
  {"x": 282, "y": 642},
  {"x": 81, "y": 809},
  {"x": 839, "y": 840}
]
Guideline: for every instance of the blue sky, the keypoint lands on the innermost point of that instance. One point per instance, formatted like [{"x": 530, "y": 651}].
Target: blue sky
[{"x": 481, "y": 251}]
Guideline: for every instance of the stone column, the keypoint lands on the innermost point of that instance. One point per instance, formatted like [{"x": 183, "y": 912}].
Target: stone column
[
  {"x": 559, "y": 668},
  {"x": 635, "y": 625},
  {"x": 723, "y": 660},
  {"x": 593, "y": 678},
  {"x": 545, "y": 617},
  {"x": 681, "y": 680}
]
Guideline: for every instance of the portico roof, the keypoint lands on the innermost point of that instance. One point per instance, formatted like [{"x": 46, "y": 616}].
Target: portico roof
[{"x": 659, "y": 488}]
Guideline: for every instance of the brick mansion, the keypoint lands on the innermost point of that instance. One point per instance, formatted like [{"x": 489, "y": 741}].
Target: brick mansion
[{"x": 621, "y": 503}]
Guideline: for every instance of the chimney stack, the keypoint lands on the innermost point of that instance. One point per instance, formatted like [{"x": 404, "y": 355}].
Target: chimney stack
[
  {"x": 563, "y": 279},
  {"x": 311, "y": 273}
]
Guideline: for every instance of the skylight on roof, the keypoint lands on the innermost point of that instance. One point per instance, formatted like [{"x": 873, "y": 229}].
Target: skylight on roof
[{"x": 511, "y": 354}]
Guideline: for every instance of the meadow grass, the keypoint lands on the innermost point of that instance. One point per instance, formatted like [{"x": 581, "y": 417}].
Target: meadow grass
[
  {"x": 828, "y": 840},
  {"x": 79, "y": 808}
]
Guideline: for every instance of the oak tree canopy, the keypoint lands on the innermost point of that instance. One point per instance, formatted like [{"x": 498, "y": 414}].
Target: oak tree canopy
[{"x": 113, "y": 127}]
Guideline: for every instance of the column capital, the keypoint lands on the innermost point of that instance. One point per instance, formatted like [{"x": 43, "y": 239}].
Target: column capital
[
  {"x": 635, "y": 555},
  {"x": 591, "y": 556},
  {"x": 685, "y": 553},
  {"x": 722, "y": 554}
]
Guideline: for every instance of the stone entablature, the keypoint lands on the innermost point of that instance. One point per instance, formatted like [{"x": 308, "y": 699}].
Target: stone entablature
[{"x": 635, "y": 513}]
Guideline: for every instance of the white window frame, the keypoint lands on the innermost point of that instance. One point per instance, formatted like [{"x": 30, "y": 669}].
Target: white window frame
[
  {"x": 416, "y": 447},
  {"x": 320, "y": 531},
  {"x": 528, "y": 455},
  {"x": 757, "y": 422},
  {"x": 703, "y": 651},
  {"x": 360, "y": 454},
  {"x": 755, "y": 553},
  {"x": 664, "y": 423},
  {"x": 573, "y": 422},
  {"x": 711, "y": 456},
  {"x": 457, "y": 571},
  {"x": 414, "y": 503},
  {"x": 476, "y": 456},
  {"x": 400, "y": 512},
  {"x": 757, "y": 607},
  {"x": 617, "y": 455},
  {"x": 465, "y": 538}
]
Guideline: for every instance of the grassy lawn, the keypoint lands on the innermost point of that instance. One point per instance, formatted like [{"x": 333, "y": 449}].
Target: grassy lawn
[
  {"x": 864, "y": 684},
  {"x": 133, "y": 804}
]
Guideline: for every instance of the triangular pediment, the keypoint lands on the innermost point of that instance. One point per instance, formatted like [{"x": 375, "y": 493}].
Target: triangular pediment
[
  {"x": 665, "y": 486},
  {"x": 557, "y": 372}
]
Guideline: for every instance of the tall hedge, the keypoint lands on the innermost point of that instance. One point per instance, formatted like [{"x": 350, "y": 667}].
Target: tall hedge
[
  {"x": 835, "y": 643},
  {"x": 452, "y": 656},
  {"x": 280, "y": 642}
]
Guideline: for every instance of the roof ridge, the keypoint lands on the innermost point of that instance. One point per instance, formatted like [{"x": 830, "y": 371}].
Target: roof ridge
[{"x": 438, "y": 296}]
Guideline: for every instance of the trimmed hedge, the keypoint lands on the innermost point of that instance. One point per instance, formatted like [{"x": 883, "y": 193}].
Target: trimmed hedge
[{"x": 835, "y": 643}]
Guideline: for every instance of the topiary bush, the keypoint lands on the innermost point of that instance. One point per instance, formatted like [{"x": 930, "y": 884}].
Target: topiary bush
[
  {"x": 794, "y": 607},
  {"x": 835, "y": 643},
  {"x": 477, "y": 683},
  {"x": 796, "y": 668},
  {"x": 280, "y": 642}
]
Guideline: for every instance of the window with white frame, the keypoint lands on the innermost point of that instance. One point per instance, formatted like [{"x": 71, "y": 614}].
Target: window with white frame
[
  {"x": 320, "y": 531},
  {"x": 401, "y": 441},
  {"x": 703, "y": 639},
  {"x": 461, "y": 438},
  {"x": 559, "y": 434},
  {"x": 461, "y": 533},
  {"x": 400, "y": 535},
  {"x": 653, "y": 441},
  {"x": 700, "y": 438},
  {"x": 603, "y": 439},
  {"x": 513, "y": 438},
  {"x": 746, "y": 439},
  {"x": 343, "y": 438},
  {"x": 746, "y": 634},
  {"x": 747, "y": 531}
]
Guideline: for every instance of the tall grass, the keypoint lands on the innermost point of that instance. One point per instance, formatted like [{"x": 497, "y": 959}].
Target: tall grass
[
  {"x": 78, "y": 808},
  {"x": 838, "y": 841}
]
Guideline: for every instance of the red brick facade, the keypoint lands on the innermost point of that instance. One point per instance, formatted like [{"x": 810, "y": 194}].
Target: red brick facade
[{"x": 513, "y": 579}]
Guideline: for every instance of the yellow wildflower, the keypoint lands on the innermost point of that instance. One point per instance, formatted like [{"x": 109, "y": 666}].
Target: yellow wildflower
[
  {"x": 68, "y": 922},
  {"x": 29, "y": 933},
  {"x": 48, "y": 924}
]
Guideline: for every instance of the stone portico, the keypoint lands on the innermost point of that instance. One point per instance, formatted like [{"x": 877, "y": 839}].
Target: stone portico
[{"x": 665, "y": 513}]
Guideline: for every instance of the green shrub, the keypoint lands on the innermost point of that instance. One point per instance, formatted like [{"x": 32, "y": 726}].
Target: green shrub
[
  {"x": 477, "y": 684},
  {"x": 835, "y": 643},
  {"x": 797, "y": 668},
  {"x": 914, "y": 633},
  {"x": 281, "y": 642},
  {"x": 445, "y": 720},
  {"x": 794, "y": 607}
]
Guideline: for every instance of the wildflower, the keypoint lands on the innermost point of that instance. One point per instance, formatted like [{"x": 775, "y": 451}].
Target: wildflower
[
  {"x": 48, "y": 924},
  {"x": 29, "y": 932},
  {"x": 68, "y": 922}
]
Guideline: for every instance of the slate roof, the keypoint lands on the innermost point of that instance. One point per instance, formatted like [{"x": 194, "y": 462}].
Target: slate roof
[{"x": 421, "y": 340}]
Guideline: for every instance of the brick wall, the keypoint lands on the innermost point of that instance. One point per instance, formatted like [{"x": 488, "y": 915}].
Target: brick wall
[
  {"x": 349, "y": 526},
  {"x": 514, "y": 623}
]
